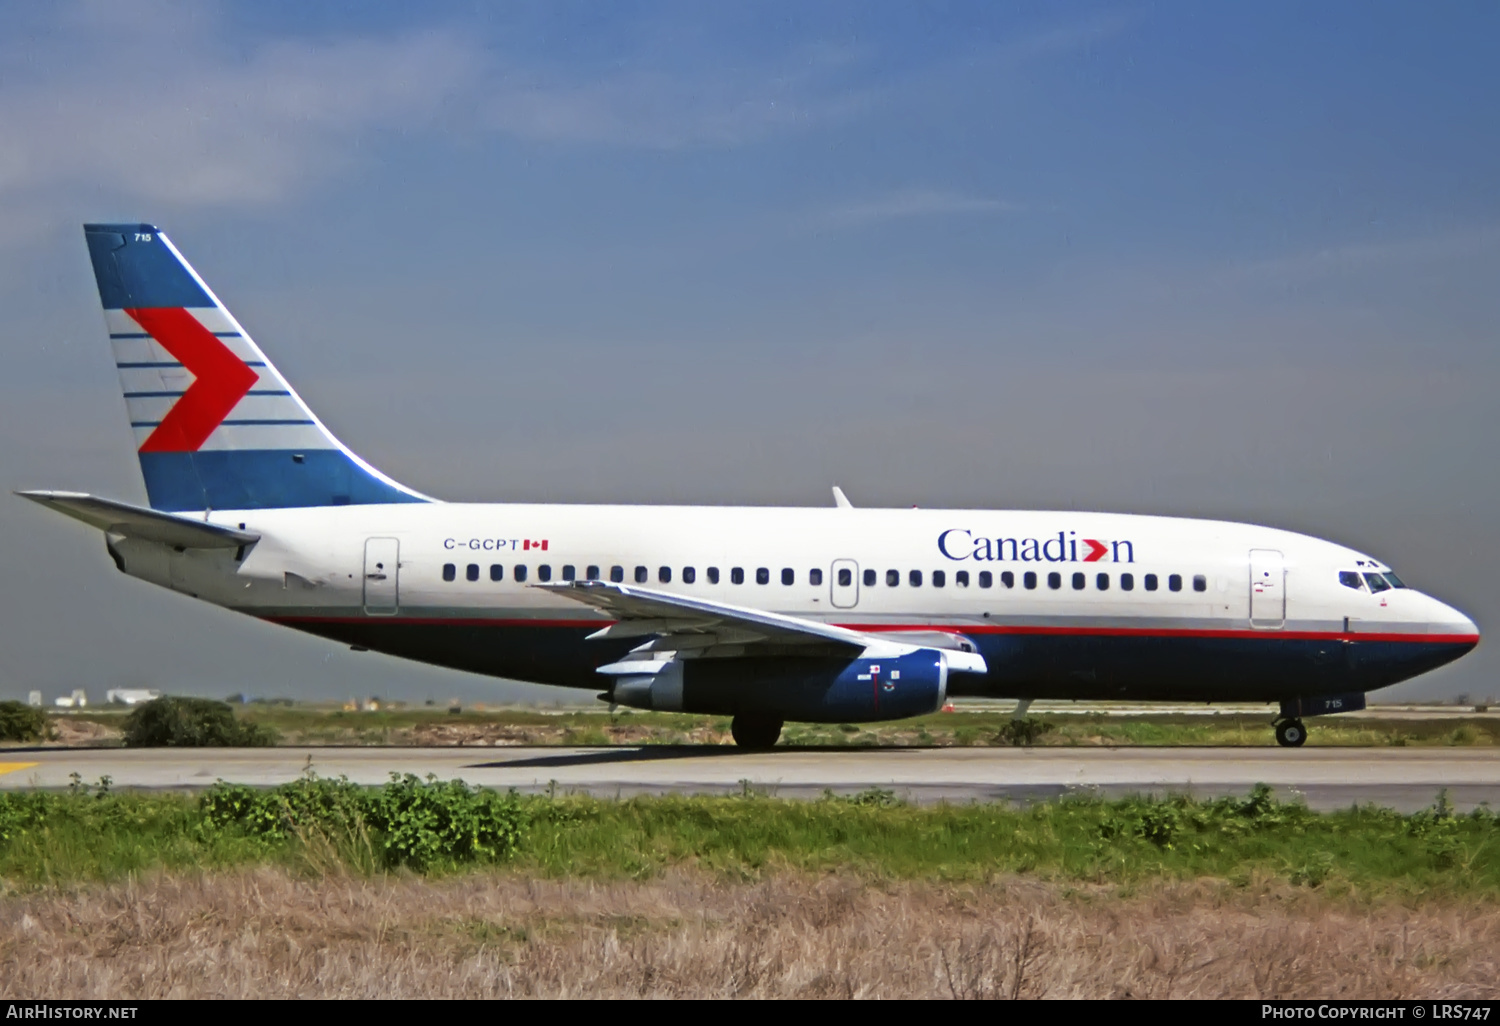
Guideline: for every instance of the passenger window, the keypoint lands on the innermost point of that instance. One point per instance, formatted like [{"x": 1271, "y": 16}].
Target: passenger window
[
  {"x": 986, "y": 579},
  {"x": 960, "y": 578},
  {"x": 472, "y": 571},
  {"x": 815, "y": 577},
  {"x": 1376, "y": 582},
  {"x": 1127, "y": 582},
  {"x": 569, "y": 573},
  {"x": 1080, "y": 580},
  {"x": 1102, "y": 582},
  {"x": 1029, "y": 580},
  {"x": 1007, "y": 578},
  {"x": 939, "y": 579},
  {"x": 497, "y": 572},
  {"x": 762, "y": 575},
  {"x": 1150, "y": 582},
  {"x": 544, "y": 572},
  {"x": 1200, "y": 582},
  {"x": 689, "y": 575},
  {"x": 870, "y": 578},
  {"x": 1174, "y": 582},
  {"x": 1054, "y": 580},
  {"x": 450, "y": 572},
  {"x": 642, "y": 575},
  {"x": 788, "y": 575},
  {"x": 737, "y": 575},
  {"x": 664, "y": 574},
  {"x": 617, "y": 574},
  {"x": 892, "y": 578},
  {"x": 520, "y": 574},
  {"x": 846, "y": 577},
  {"x": 592, "y": 573},
  {"x": 915, "y": 577},
  {"x": 713, "y": 575},
  {"x": 1350, "y": 579}
]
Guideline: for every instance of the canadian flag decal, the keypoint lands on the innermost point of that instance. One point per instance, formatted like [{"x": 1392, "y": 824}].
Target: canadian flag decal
[
  {"x": 528, "y": 545},
  {"x": 220, "y": 379}
]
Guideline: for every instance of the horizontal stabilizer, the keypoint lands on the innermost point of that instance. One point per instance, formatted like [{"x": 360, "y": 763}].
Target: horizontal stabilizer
[{"x": 138, "y": 522}]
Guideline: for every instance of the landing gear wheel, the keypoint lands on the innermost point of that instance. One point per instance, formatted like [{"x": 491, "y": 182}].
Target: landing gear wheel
[
  {"x": 1290, "y": 733},
  {"x": 755, "y": 733}
]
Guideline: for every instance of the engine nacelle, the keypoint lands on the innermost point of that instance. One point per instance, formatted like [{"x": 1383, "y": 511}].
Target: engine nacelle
[{"x": 810, "y": 690}]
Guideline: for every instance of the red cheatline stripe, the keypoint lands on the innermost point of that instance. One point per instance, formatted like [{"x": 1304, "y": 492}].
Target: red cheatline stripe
[
  {"x": 1102, "y": 632},
  {"x": 221, "y": 379}
]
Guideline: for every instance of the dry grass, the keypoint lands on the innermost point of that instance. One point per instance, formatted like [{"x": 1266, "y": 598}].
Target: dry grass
[{"x": 268, "y": 934}]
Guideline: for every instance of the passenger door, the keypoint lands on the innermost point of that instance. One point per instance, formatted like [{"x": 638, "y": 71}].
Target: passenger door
[
  {"x": 843, "y": 585},
  {"x": 1267, "y": 589},
  {"x": 382, "y": 576}
]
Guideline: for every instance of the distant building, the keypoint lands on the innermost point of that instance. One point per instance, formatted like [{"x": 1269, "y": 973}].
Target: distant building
[
  {"x": 77, "y": 700},
  {"x": 34, "y": 698},
  {"x": 131, "y": 696}
]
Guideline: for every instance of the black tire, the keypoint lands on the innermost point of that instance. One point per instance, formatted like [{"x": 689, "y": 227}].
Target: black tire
[
  {"x": 755, "y": 733},
  {"x": 1290, "y": 733}
]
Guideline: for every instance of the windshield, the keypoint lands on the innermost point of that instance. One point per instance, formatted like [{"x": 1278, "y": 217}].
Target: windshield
[
  {"x": 1350, "y": 579},
  {"x": 1396, "y": 582},
  {"x": 1376, "y": 582}
]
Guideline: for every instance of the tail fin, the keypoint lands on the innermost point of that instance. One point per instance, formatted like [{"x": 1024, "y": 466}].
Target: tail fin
[{"x": 216, "y": 426}]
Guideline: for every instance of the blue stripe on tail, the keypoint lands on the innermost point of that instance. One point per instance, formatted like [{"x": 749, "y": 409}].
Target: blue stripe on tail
[{"x": 261, "y": 479}]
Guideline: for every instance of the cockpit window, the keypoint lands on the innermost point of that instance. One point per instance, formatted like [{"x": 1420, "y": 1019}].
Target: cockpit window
[
  {"x": 1396, "y": 582},
  {"x": 1376, "y": 582},
  {"x": 1350, "y": 579}
]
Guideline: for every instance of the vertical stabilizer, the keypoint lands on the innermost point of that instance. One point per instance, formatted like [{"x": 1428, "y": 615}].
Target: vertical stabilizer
[{"x": 216, "y": 425}]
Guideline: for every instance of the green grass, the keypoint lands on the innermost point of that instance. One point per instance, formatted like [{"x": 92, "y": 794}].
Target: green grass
[{"x": 57, "y": 839}]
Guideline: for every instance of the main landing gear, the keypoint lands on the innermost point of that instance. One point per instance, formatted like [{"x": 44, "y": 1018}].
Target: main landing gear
[
  {"x": 755, "y": 733},
  {"x": 1290, "y": 733}
]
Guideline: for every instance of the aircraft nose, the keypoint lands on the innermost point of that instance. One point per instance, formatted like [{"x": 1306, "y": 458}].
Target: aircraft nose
[{"x": 1451, "y": 622}]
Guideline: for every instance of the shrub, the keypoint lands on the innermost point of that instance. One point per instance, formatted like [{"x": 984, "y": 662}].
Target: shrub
[
  {"x": 22, "y": 722},
  {"x": 414, "y": 823},
  {"x": 192, "y": 723},
  {"x": 1023, "y": 732}
]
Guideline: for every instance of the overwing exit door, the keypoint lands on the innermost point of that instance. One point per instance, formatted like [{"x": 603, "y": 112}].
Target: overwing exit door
[
  {"x": 382, "y": 576},
  {"x": 1267, "y": 589},
  {"x": 844, "y": 584}
]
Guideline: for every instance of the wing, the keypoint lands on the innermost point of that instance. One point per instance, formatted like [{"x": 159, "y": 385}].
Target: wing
[
  {"x": 138, "y": 522},
  {"x": 678, "y": 623}
]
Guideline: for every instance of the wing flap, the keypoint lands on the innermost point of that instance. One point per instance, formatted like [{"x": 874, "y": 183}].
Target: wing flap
[{"x": 122, "y": 518}]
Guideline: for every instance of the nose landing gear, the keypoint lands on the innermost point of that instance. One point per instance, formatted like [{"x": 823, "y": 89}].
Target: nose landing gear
[{"x": 1290, "y": 733}]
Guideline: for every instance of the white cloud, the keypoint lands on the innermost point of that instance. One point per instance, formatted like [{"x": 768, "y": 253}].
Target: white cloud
[
  {"x": 660, "y": 109},
  {"x": 160, "y": 110},
  {"x": 914, "y": 203}
]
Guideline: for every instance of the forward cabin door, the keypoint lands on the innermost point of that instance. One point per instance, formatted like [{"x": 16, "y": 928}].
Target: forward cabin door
[
  {"x": 382, "y": 573},
  {"x": 843, "y": 583},
  {"x": 1267, "y": 589}
]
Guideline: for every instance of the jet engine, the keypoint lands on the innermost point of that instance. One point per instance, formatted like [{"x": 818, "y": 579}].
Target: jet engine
[{"x": 808, "y": 689}]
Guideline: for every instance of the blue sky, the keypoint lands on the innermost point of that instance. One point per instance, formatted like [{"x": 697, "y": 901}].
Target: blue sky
[{"x": 1200, "y": 259}]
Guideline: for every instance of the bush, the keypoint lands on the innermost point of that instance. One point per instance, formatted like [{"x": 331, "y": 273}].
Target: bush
[
  {"x": 22, "y": 722},
  {"x": 413, "y": 823},
  {"x": 1023, "y": 732},
  {"x": 192, "y": 723}
]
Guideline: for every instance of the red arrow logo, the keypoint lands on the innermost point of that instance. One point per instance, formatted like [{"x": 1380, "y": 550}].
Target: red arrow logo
[
  {"x": 1097, "y": 550},
  {"x": 221, "y": 379}
]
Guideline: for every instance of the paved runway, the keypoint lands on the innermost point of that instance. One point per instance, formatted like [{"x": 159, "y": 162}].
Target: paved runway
[{"x": 1402, "y": 778}]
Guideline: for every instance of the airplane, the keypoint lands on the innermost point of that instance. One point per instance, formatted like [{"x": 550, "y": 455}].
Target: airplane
[{"x": 765, "y": 615}]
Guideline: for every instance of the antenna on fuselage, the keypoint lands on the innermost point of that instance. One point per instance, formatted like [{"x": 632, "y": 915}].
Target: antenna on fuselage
[{"x": 840, "y": 499}]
